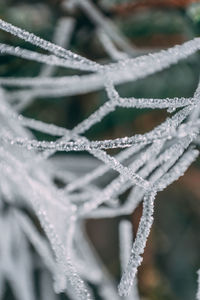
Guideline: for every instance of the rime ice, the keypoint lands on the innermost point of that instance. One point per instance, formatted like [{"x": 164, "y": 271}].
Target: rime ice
[{"x": 146, "y": 164}]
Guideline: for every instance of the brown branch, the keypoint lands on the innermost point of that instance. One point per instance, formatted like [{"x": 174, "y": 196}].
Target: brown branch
[{"x": 127, "y": 8}]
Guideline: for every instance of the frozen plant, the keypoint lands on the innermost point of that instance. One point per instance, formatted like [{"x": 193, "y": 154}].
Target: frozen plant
[{"x": 146, "y": 164}]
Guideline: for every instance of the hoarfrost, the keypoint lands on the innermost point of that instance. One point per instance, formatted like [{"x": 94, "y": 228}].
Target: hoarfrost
[{"x": 147, "y": 163}]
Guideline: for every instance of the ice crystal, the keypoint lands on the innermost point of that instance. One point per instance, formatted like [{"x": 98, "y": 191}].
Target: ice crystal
[{"x": 147, "y": 164}]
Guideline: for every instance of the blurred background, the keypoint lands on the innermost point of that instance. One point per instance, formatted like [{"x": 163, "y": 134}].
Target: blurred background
[{"x": 172, "y": 257}]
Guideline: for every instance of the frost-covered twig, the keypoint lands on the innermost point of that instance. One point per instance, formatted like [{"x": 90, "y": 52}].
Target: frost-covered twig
[
  {"x": 198, "y": 289},
  {"x": 148, "y": 164}
]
